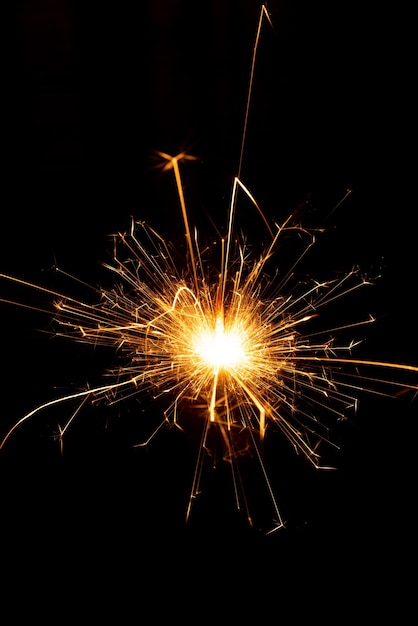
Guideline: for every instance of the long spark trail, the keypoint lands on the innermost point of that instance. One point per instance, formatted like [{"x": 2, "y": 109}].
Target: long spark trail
[{"x": 223, "y": 341}]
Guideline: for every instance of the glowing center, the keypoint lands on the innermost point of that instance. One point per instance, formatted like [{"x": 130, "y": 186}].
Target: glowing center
[{"x": 220, "y": 348}]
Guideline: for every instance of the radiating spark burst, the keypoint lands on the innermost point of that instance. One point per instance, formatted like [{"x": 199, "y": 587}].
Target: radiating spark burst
[{"x": 221, "y": 337}]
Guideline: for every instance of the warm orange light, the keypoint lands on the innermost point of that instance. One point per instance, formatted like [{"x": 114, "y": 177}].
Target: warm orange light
[{"x": 220, "y": 348}]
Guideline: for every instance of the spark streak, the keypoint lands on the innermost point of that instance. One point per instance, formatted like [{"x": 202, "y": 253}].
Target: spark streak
[{"x": 225, "y": 341}]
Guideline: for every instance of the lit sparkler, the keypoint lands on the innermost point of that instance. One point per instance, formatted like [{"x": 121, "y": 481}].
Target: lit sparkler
[{"x": 221, "y": 337}]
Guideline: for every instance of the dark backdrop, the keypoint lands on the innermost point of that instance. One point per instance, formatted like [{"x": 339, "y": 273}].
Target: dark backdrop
[{"x": 92, "y": 92}]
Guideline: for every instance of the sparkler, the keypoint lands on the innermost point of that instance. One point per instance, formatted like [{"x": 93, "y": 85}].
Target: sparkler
[{"x": 222, "y": 337}]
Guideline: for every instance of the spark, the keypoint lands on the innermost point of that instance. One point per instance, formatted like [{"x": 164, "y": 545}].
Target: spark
[{"x": 222, "y": 336}]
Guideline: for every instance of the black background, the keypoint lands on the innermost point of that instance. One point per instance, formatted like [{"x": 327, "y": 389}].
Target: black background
[{"x": 92, "y": 93}]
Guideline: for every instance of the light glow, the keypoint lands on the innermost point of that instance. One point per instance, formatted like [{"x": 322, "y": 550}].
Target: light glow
[{"x": 220, "y": 349}]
